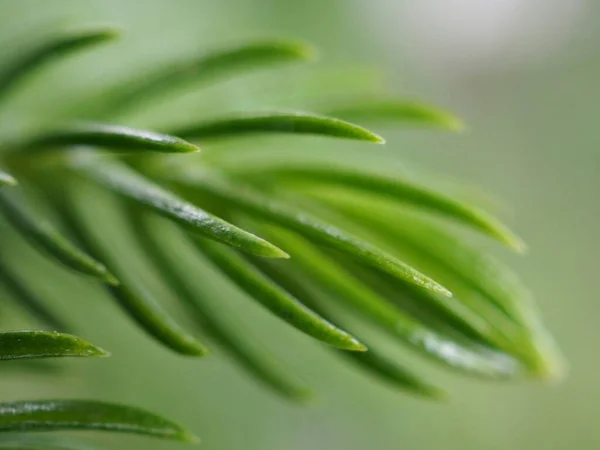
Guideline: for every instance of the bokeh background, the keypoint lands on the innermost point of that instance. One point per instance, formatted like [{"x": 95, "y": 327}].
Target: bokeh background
[{"x": 522, "y": 73}]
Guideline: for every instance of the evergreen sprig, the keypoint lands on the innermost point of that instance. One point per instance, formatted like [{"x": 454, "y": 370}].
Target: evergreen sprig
[{"x": 321, "y": 241}]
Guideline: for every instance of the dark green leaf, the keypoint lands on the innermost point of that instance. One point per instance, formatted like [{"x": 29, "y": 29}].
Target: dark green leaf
[
  {"x": 111, "y": 137},
  {"x": 25, "y": 344},
  {"x": 275, "y": 299},
  {"x": 124, "y": 181},
  {"x": 56, "y": 415},
  {"x": 48, "y": 50},
  {"x": 276, "y": 122},
  {"x": 46, "y": 237},
  {"x": 29, "y": 301},
  {"x": 399, "y": 189},
  {"x": 315, "y": 230},
  {"x": 157, "y": 239},
  {"x": 374, "y": 110}
]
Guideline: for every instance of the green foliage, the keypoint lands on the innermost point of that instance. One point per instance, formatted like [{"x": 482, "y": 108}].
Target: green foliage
[
  {"x": 126, "y": 182},
  {"x": 343, "y": 287},
  {"x": 324, "y": 247},
  {"x": 372, "y": 360},
  {"x": 108, "y": 137},
  {"x": 46, "y": 51},
  {"x": 318, "y": 231},
  {"x": 277, "y": 122},
  {"x": 32, "y": 344},
  {"x": 52, "y": 415},
  {"x": 277, "y": 300},
  {"x": 136, "y": 301},
  {"x": 50, "y": 240},
  {"x": 153, "y": 236},
  {"x": 405, "y": 191},
  {"x": 214, "y": 66}
]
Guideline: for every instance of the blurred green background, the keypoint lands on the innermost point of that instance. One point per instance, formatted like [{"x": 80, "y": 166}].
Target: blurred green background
[{"x": 522, "y": 73}]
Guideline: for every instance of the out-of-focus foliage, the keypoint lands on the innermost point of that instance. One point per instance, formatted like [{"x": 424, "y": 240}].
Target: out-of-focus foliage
[{"x": 326, "y": 197}]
